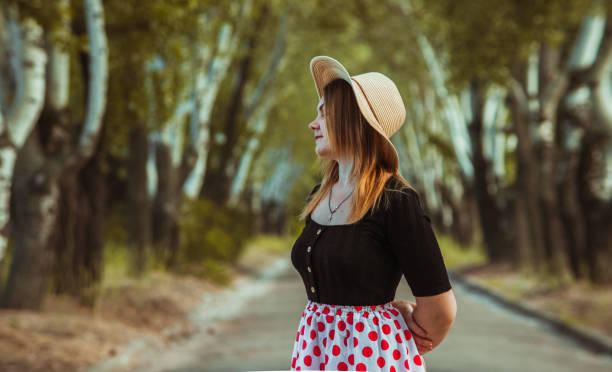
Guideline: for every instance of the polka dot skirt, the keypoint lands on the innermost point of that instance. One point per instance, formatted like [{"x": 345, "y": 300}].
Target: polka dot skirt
[{"x": 355, "y": 338}]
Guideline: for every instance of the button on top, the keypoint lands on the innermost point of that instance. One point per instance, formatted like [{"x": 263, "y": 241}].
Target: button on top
[
  {"x": 309, "y": 249},
  {"x": 309, "y": 269},
  {"x": 318, "y": 231},
  {"x": 312, "y": 289}
]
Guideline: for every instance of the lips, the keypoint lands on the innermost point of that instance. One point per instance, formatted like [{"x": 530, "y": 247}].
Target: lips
[{"x": 317, "y": 137}]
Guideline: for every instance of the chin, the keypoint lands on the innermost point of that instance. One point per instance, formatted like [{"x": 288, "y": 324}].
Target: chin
[{"x": 324, "y": 153}]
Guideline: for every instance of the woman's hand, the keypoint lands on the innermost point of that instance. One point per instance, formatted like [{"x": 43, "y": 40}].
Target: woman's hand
[{"x": 406, "y": 308}]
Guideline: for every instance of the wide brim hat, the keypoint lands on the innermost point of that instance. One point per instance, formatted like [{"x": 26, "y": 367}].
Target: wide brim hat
[{"x": 377, "y": 96}]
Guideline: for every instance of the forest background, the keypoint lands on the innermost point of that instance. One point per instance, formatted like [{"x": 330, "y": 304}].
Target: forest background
[{"x": 165, "y": 135}]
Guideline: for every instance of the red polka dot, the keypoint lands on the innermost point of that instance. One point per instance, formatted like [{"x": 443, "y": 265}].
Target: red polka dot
[
  {"x": 302, "y": 331},
  {"x": 358, "y": 308},
  {"x": 332, "y": 333},
  {"x": 313, "y": 334},
  {"x": 325, "y": 341},
  {"x": 293, "y": 362},
  {"x": 329, "y": 319},
  {"x": 384, "y": 344},
  {"x": 406, "y": 364},
  {"x": 394, "y": 312},
  {"x": 407, "y": 334},
  {"x": 398, "y": 338},
  {"x": 386, "y": 315},
  {"x": 336, "y": 350},
  {"x": 373, "y": 307},
  {"x": 339, "y": 312},
  {"x": 346, "y": 341},
  {"x": 303, "y": 344},
  {"x": 396, "y": 354},
  {"x": 342, "y": 366},
  {"x": 361, "y": 367},
  {"x": 297, "y": 336},
  {"x": 316, "y": 351},
  {"x": 321, "y": 326},
  {"x": 341, "y": 325},
  {"x": 322, "y": 367},
  {"x": 373, "y": 336},
  {"x": 392, "y": 369},
  {"x": 375, "y": 320},
  {"x": 386, "y": 329},
  {"x": 355, "y": 341},
  {"x": 397, "y": 324},
  {"x": 309, "y": 320},
  {"x": 351, "y": 359},
  {"x": 326, "y": 358},
  {"x": 298, "y": 368},
  {"x": 381, "y": 362},
  {"x": 367, "y": 351},
  {"x": 359, "y": 326},
  {"x": 308, "y": 360},
  {"x": 366, "y": 314},
  {"x": 315, "y": 308},
  {"x": 326, "y": 310},
  {"x": 417, "y": 360}
]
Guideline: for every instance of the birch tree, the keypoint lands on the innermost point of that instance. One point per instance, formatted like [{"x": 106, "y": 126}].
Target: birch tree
[
  {"x": 35, "y": 185},
  {"x": 27, "y": 59}
]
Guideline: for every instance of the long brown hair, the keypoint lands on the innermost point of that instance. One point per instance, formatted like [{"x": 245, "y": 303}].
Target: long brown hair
[{"x": 349, "y": 134}]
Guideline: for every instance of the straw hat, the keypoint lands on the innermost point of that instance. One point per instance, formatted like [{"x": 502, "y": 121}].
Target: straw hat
[{"x": 378, "y": 98}]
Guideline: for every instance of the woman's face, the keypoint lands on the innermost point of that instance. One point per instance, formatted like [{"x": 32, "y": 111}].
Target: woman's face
[{"x": 320, "y": 132}]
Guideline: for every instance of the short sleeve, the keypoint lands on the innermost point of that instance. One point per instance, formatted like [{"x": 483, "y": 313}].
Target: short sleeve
[{"x": 414, "y": 244}]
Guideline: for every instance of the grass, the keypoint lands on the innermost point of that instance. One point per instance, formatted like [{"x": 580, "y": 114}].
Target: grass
[{"x": 456, "y": 255}]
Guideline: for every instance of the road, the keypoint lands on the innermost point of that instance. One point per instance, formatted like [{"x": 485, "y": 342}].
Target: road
[{"x": 257, "y": 334}]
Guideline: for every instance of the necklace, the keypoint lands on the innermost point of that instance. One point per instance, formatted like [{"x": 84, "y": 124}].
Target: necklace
[{"x": 331, "y": 212}]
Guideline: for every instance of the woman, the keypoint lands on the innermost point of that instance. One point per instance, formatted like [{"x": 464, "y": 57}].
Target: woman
[{"x": 365, "y": 227}]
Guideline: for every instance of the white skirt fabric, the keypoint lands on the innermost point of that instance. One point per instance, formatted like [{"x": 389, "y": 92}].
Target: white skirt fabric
[{"x": 355, "y": 338}]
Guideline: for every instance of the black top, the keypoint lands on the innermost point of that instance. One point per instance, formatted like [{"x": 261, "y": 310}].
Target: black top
[{"x": 362, "y": 263}]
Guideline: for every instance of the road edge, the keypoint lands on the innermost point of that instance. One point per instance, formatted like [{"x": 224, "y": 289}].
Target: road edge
[{"x": 584, "y": 336}]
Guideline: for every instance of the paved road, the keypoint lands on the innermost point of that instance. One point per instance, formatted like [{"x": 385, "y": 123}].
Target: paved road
[{"x": 484, "y": 338}]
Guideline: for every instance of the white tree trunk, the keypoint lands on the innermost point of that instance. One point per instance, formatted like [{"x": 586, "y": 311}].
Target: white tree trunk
[
  {"x": 59, "y": 62},
  {"x": 207, "y": 87},
  {"x": 260, "y": 121},
  {"x": 452, "y": 108},
  {"x": 493, "y": 139},
  {"x": 30, "y": 72},
  {"x": 98, "y": 72}
]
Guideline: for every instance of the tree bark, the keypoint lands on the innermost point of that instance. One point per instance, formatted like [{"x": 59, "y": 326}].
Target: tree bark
[
  {"x": 217, "y": 180},
  {"x": 165, "y": 204},
  {"x": 34, "y": 210},
  {"x": 491, "y": 218},
  {"x": 597, "y": 211},
  {"x": 138, "y": 215},
  {"x": 530, "y": 237}
]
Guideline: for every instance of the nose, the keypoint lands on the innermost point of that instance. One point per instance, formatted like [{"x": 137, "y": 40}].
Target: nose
[{"x": 314, "y": 124}]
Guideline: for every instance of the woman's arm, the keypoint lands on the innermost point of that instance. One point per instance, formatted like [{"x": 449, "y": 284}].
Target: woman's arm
[
  {"x": 436, "y": 314},
  {"x": 438, "y": 320}
]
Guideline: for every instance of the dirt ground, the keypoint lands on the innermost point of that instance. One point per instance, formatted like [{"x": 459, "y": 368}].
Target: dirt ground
[
  {"x": 578, "y": 303},
  {"x": 65, "y": 336}
]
